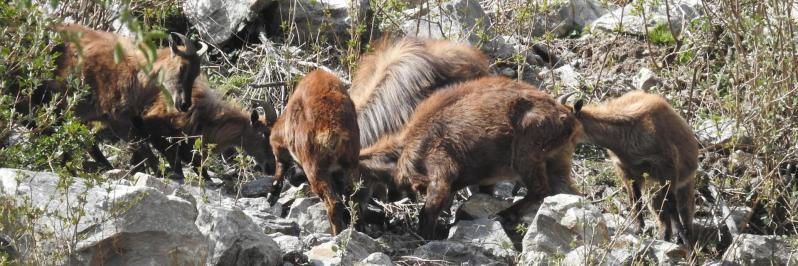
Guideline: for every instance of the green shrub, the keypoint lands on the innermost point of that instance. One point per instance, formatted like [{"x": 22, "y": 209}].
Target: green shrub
[{"x": 661, "y": 35}]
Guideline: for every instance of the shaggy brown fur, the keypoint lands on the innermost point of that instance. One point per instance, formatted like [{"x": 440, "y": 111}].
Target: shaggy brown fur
[
  {"x": 399, "y": 74},
  {"x": 318, "y": 131},
  {"x": 121, "y": 91},
  {"x": 650, "y": 145},
  {"x": 475, "y": 133},
  {"x": 219, "y": 123}
]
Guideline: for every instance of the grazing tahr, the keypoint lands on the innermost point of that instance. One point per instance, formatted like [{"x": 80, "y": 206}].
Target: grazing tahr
[
  {"x": 120, "y": 90},
  {"x": 475, "y": 133},
  {"x": 222, "y": 124},
  {"x": 319, "y": 131},
  {"x": 391, "y": 81},
  {"x": 651, "y": 146}
]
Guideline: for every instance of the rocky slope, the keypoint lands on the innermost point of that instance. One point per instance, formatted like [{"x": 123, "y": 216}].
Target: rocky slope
[{"x": 598, "y": 48}]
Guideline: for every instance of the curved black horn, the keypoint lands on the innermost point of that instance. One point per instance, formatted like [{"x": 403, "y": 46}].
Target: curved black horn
[
  {"x": 173, "y": 43},
  {"x": 564, "y": 98}
]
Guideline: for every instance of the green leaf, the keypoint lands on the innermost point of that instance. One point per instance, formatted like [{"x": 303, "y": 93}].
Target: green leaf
[{"x": 118, "y": 53}]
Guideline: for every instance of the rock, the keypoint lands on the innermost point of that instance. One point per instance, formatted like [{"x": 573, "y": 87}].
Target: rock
[
  {"x": 564, "y": 221},
  {"x": 376, "y": 259},
  {"x": 645, "y": 79},
  {"x": 504, "y": 190},
  {"x": 273, "y": 224},
  {"x": 257, "y": 188},
  {"x": 565, "y": 17},
  {"x": 288, "y": 244},
  {"x": 399, "y": 244},
  {"x": 316, "y": 239},
  {"x": 589, "y": 255},
  {"x": 617, "y": 222},
  {"x": 662, "y": 252},
  {"x": 234, "y": 239},
  {"x": 288, "y": 196},
  {"x": 566, "y": 75},
  {"x": 331, "y": 18},
  {"x": 7, "y": 249},
  {"x": 346, "y": 248},
  {"x": 137, "y": 225},
  {"x": 681, "y": 13},
  {"x": 750, "y": 249},
  {"x": 219, "y": 20},
  {"x": 481, "y": 206},
  {"x": 456, "y": 253},
  {"x": 165, "y": 186},
  {"x": 459, "y": 20},
  {"x": 113, "y": 217},
  {"x": 311, "y": 219},
  {"x": 485, "y": 234},
  {"x": 116, "y": 174},
  {"x": 716, "y": 131}
]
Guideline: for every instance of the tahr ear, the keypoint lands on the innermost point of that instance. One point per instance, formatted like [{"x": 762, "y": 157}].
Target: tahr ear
[
  {"x": 578, "y": 106},
  {"x": 174, "y": 41},
  {"x": 253, "y": 118}
]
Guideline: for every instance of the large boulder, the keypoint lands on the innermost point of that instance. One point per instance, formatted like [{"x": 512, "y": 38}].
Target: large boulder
[
  {"x": 750, "y": 249},
  {"x": 310, "y": 20},
  {"x": 219, "y": 20},
  {"x": 562, "y": 223},
  {"x": 139, "y": 226},
  {"x": 561, "y": 18},
  {"x": 459, "y": 20},
  {"x": 234, "y": 239},
  {"x": 113, "y": 224}
]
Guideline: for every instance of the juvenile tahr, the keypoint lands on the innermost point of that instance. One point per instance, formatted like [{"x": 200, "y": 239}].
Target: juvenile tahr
[{"x": 651, "y": 147}]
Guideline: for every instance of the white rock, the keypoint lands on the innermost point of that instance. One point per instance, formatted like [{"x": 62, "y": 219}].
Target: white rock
[
  {"x": 234, "y": 239},
  {"x": 288, "y": 243},
  {"x": 114, "y": 217},
  {"x": 376, "y": 259},
  {"x": 459, "y": 20},
  {"x": 218, "y": 20},
  {"x": 346, "y": 248},
  {"x": 563, "y": 221},
  {"x": 645, "y": 79},
  {"x": 330, "y": 19},
  {"x": 681, "y": 13},
  {"x": 750, "y": 249}
]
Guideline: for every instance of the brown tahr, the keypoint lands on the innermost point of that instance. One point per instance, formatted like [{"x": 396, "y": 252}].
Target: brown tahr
[
  {"x": 651, "y": 146},
  {"x": 476, "y": 133},
  {"x": 319, "y": 131},
  {"x": 391, "y": 81},
  {"x": 217, "y": 122},
  {"x": 121, "y": 89}
]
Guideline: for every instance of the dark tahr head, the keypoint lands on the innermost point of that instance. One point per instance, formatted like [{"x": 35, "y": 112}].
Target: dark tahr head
[
  {"x": 563, "y": 99},
  {"x": 256, "y": 142},
  {"x": 188, "y": 68}
]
